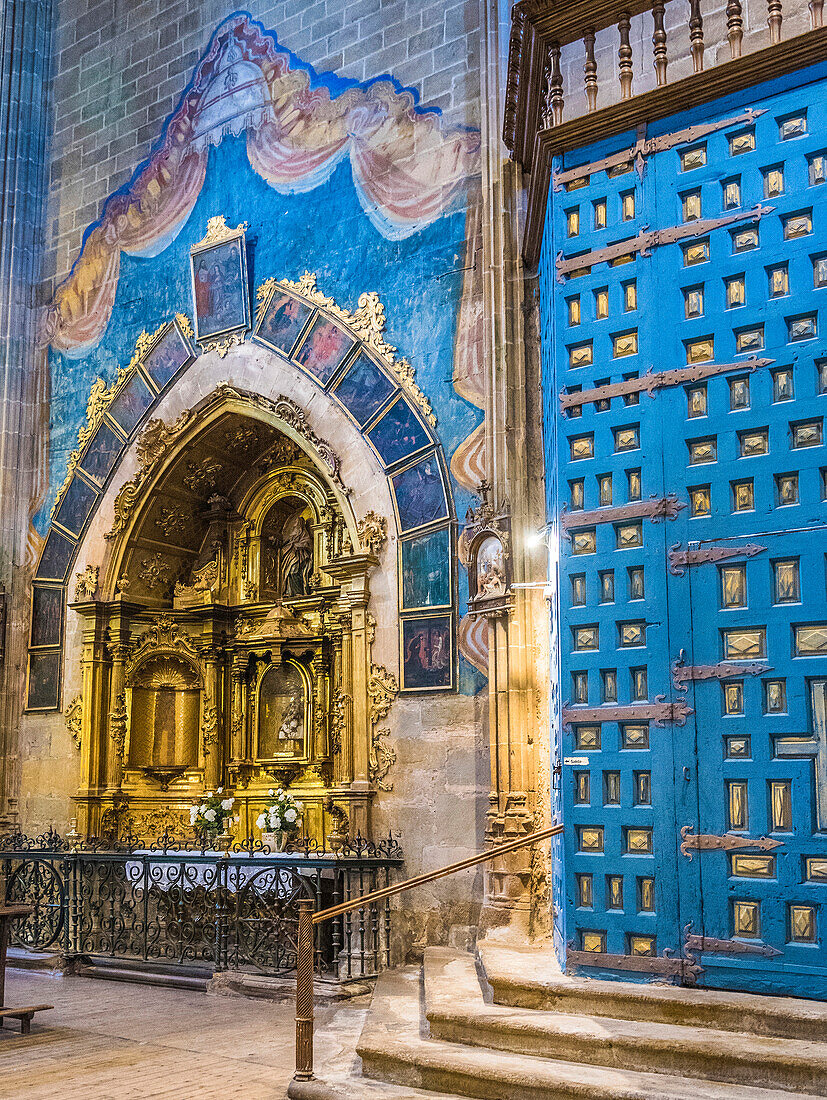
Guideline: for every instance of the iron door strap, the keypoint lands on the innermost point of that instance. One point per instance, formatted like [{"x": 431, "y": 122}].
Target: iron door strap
[
  {"x": 680, "y": 560},
  {"x": 656, "y": 380},
  {"x": 728, "y": 842},
  {"x": 647, "y": 239},
  {"x": 643, "y": 148}
]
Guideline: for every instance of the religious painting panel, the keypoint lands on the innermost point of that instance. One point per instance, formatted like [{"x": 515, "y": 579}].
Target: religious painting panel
[
  {"x": 43, "y": 689},
  {"x": 324, "y": 349},
  {"x": 219, "y": 288},
  {"x": 398, "y": 434},
  {"x": 427, "y": 653},
  {"x": 56, "y": 557},
  {"x": 167, "y": 357},
  {"x": 47, "y": 615},
  {"x": 426, "y": 570},
  {"x": 287, "y": 549},
  {"x": 490, "y": 568},
  {"x": 282, "y": 712},
  {"x": 76, "y": 505},
  {"x": 130, "y": 404},
  {"x": 282, "y": 323},
  {"x": 364, "y": 389},
  {"x": 103, "y": 450},
  {"x": 419, "y": 494}
]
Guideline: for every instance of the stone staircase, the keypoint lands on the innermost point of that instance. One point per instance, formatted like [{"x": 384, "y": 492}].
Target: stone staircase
[{"x": 508, "y": 1025}]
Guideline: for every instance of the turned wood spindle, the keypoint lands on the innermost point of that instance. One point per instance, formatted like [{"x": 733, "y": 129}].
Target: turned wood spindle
[
  {"x": 774, "y": 18},
  {"x": 624, "y": 55},
  {"x": 696, "y": 35},
  {"x": 554, "y": 91},
  {"x": 735, "y": 27},
  {"x": 659, "y": 41},
  {"x": 816, "y": 13},
  {"x": 590, "y": 69}
]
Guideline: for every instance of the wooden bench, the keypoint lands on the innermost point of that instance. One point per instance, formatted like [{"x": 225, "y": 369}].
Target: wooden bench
[
  {"x": 24, "y": 1015},
  {"x": 8, "y": 913}
]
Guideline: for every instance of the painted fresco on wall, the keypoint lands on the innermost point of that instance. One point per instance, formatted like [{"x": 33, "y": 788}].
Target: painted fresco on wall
[
  {"x": 324, "y": 349},
  {"x": 426, "y": 570},
  {"x": 219, "y": 289},
  {"x": 330, "y": 206},
  {"x": 427, "y": 661}
]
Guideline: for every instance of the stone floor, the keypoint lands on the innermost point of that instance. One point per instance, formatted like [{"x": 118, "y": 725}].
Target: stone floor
[{"x": 109, "y": 1039}]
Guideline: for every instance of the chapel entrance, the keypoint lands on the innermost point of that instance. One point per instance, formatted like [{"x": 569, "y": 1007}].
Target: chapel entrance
[{"x": 229, "y": 640}]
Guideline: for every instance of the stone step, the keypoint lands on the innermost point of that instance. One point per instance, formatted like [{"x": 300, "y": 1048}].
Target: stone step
[
  {"x": 528, "y": 977},
  {"x": 394, "y": 1049},
  {"x": 456, "y": 1012},
  {"x": 360, "y": 1088}
]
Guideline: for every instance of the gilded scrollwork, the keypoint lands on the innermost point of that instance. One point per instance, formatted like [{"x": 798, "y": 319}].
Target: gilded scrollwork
[
  {"x": 86, "y": 583},
  {"x": 209, "y": 727},
  {"x": 100, "y": 398},
  {"x": 367, "y": 323},
  {"x": 74, "y": 718},
  {"x": 185, "y": 325},
  {"x": 163, "y": 636},
  {"x": 372, "y": 532},
  {"x": 218, "y": 231},
  {"x": 383, "y": 688},
  {"x": 382, "y": 759},
  {"x": 152, "y": 445},
  {"x": 117, "y": 723},
  {"x": 225, "y": 345}
]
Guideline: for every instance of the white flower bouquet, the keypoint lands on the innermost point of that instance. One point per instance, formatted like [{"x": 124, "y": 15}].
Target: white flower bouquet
[
  {"x": 280, "y": 819},
  {"x": 213, "y": 813}
]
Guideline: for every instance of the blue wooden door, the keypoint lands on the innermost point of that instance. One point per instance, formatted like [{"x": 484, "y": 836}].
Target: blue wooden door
[{"x": 693, "y": 579}]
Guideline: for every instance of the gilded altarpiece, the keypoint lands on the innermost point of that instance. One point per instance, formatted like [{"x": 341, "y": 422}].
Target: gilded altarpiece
[{"x": 229, "y": 644}]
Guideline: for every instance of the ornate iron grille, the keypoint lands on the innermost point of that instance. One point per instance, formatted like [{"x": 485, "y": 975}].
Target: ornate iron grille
[{"x": 176, "y": 904}]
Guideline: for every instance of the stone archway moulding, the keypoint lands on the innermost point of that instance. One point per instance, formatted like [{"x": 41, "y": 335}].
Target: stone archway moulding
[{"x": 149, "y": 411}]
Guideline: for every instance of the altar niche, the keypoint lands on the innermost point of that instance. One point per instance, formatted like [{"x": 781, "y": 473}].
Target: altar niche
[{"x": 228, "y": 644}]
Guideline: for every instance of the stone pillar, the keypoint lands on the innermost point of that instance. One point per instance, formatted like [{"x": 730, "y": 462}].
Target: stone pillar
[
  {"x": 518, "y": 641},
  {"x": 24, "y": 67}
]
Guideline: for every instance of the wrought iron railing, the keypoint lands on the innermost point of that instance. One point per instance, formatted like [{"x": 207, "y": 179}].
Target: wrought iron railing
[
  {"x": 175, "y": 903},
  {"x": 310, "y": 922}
]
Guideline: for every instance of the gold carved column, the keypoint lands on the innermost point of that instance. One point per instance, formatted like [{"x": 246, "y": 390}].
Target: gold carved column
[
  {"x": 210, "y": 720},
  {"x": 95, "y": 695}
]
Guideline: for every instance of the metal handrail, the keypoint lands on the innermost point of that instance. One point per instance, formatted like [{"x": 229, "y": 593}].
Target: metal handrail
[{"x": 308, "y": 919}]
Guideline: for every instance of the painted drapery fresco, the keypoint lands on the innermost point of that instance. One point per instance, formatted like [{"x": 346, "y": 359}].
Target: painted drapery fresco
[{"x": 354, "y": 181}]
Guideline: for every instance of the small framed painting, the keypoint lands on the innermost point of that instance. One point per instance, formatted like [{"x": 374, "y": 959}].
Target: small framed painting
[
  {"x": 219, "y": 282},
  {"x": 427, "y": 653},
  {"x": 43, "y": 687}
]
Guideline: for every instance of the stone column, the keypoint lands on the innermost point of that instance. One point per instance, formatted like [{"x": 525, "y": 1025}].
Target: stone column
[
  {"x": 518, "y": 643},
  {"x": 24, "y": 68}
]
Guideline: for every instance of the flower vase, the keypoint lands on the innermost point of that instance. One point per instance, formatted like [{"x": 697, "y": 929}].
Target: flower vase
[{"x": 274, "y": 842}]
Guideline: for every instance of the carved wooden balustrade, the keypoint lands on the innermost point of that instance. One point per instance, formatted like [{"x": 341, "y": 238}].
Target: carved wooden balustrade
[{"x": 695, "y": 56}]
